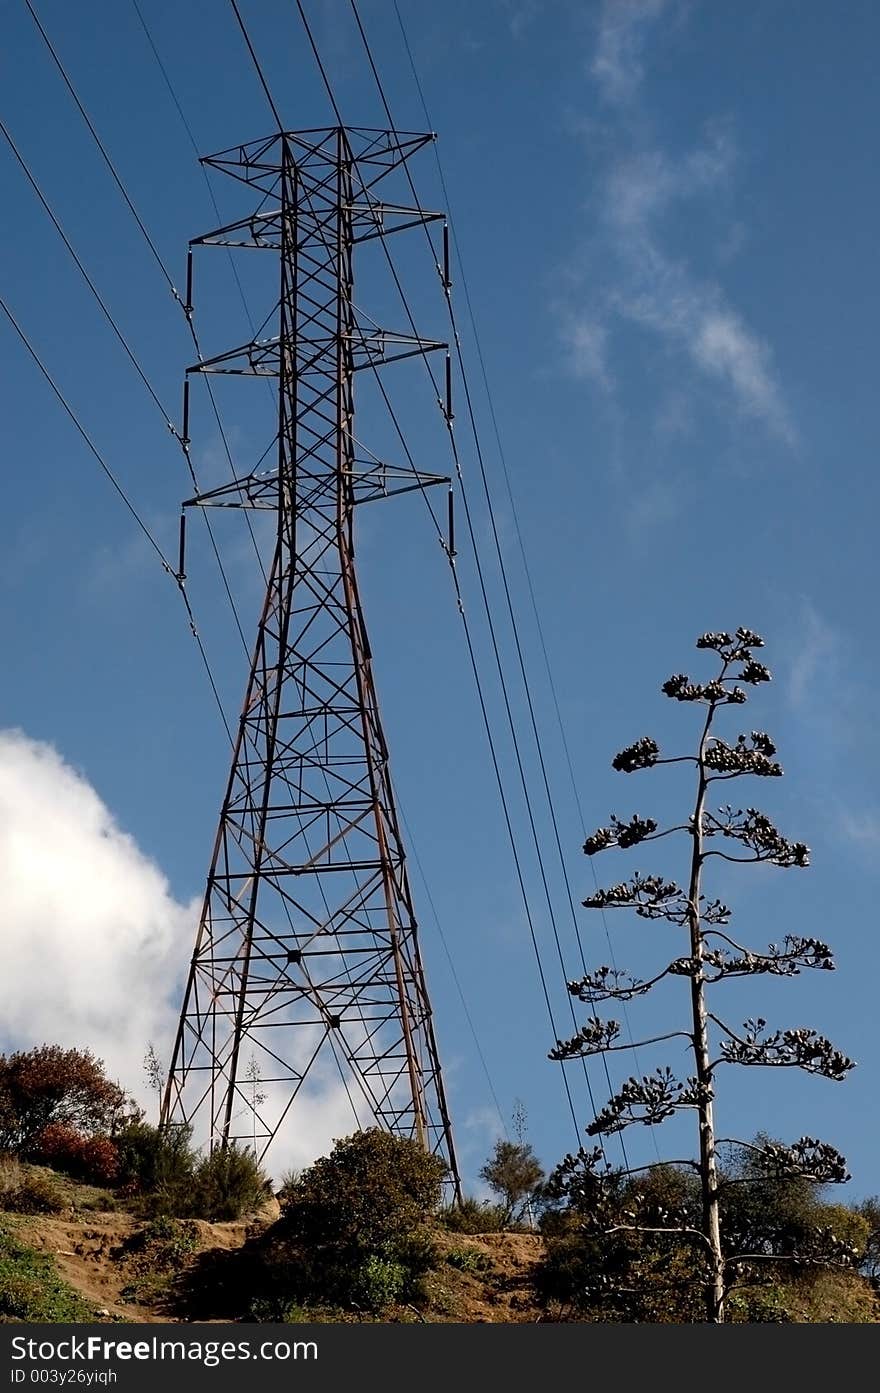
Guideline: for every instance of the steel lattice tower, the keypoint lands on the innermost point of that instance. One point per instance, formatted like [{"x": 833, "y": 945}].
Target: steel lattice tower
[{"x": 307, "y": 947}]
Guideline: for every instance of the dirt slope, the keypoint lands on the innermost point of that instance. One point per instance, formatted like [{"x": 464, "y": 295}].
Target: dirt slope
[
  {"x": 483, "y": 1278},
  {"x": 95, "y": 1256}
]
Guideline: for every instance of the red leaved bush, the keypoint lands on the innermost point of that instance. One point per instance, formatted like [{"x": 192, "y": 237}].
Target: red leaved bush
[
  {"x": 49, "y": 1084},
  {"x": 93, "y": 1159}
]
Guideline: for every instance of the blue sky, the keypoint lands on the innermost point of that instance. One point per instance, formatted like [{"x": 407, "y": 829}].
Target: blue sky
[{"x": 668, "y": 217}]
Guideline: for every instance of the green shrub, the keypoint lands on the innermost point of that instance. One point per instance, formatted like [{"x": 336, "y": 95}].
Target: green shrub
[
  {"x": 280, "y": 1310},
  {"x": 228, "y": 1184},
  {"x": 166, "y": 1241},
  {"x": 468, "y": 1260},
  {"x": 373, "y": 1190},
  {"x": 31, "y": 1289},
  {"x": 156, "y": 1167},
  {"x": 378, "y": 1282},
  {"x": 474, "y": 1216},
  {"x": 351, "y": 1234},
  {"x": 765, "y": 1306}
]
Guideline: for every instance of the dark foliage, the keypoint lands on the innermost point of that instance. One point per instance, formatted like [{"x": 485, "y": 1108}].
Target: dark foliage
[
  {"x": 372, "y": 1189},
  {"x": 514, "y": 1173},
  {"x": 473, "y": 1216},
  {"x": 351, "y": 1232},
  {"x": 228, "y": 1184},
  {"x": 628, "y": 1248},
  {"x": 49, "y": 1085},
  {"x": 93, "y": 1159}
]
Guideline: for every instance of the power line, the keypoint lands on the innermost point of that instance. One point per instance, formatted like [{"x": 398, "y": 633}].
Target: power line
[
  {"x": 192, "y": 140},
  {"x": 256, "y": 62},
  {"x": 234, "y": 269},
  {"x": 490, "y": 507},
  {"x": 487, "y": 607},
  {"x": 503, "y": 572},
  {"x": 452, "y": 968},
  {"x": 118, "y": 332},
  {"x": 87, "y": 438},
  {"x": 515, "y": 514},
  {"x": 321, "y": 69},
  {"x": 87, "y": 278},
  {"x": 92, "y": 447},
  {"x": 100, "y": 144}
]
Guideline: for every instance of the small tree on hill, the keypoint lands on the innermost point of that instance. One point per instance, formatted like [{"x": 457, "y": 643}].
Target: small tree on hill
[
  {"x": 373, "y": 1189},
  {"x": 513, "y": 1171},
  {"x": 49, "y": 1085},
  {"x": 352, "y": 1224},
  {"x": 711, "y": 956},
  {"x": 869, "y": 1211}
]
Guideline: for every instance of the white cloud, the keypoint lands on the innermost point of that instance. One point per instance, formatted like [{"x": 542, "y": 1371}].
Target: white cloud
[
  {"x": 862, "y": 826},
  {"x": 95, "y": 945},
  {"x": 646, "y": 280},
  {"x": 617, "y": 65},
  {"x": 94, "y": 940},
  {"x": 521, "y": 14},
  {"x": 654, "y": 505},
  {"x": 648, "y": 287},
  {"x": 817, "y": 646},
  {"x": 721, "y": 344},
  {"x": 587, "y": 340}
]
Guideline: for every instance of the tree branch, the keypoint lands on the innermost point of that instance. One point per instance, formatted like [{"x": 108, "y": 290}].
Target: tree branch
[{"x": 572, "y": 1049}]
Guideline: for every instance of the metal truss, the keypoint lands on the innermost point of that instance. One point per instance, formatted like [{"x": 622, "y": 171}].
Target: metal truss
[{"x": 307, "y": 956}]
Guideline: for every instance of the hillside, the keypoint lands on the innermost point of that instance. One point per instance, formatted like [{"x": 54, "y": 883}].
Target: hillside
[
  {"x": 125, "y": 1270},
  {"x": 96, "y": 1259}
]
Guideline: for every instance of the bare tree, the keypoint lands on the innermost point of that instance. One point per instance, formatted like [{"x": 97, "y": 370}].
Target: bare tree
[
  {"x": 254, "y": 1077},
  {"x": 154, "y": 1072},
  {"x": 712, "y": 956}
]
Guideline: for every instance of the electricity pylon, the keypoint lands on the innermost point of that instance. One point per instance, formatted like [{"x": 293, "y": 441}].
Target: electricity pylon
[{"x": 307, "y": 956}]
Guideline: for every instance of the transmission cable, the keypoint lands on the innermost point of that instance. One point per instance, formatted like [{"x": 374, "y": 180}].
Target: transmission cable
[
  {"x": 87, "y": 278},
  {"x": 490, "y": 622},
  {"x": 490, "y": 738},
  {"x": 452, "y": 968},
  {"x": 515, "y": 513},
  {"x": 490, "y": 507},
  {"x": 125, "y": 345},
  {"x": 256, "y": 62},
  {"x": 503, "y": 573},
  {"x": 187, "y": 309},
  {"x": 232, "y": 264},
  {"x": 107, "y": 160},
  {"x": 166, "y": 564}
]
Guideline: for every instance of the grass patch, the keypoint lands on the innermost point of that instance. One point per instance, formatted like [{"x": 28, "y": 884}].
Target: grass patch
[
  {"x": 31, "y": 1288},
  {"x": 28, "y": 1189},
  {"x": 469, "y": 1260},
  {"x": 32, "y": 1189},
  {"x": 156, "y": 1254}
]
